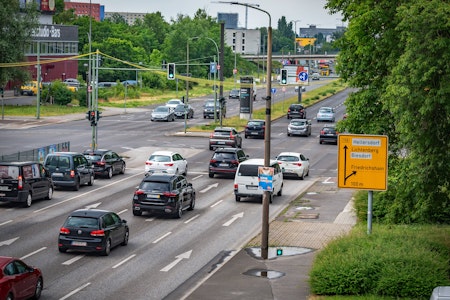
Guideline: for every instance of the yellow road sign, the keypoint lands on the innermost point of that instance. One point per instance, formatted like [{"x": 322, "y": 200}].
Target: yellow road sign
[{"x": 362, "y": 161}]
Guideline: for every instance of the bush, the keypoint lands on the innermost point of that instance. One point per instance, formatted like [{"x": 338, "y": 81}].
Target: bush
[{"x": 394, "y": 261}]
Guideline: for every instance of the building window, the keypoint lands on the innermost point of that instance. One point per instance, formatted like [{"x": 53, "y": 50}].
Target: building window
[
  {"x": 243, "y": 49},
  {"x": 234, "y": 34},
  {"x": 234, "y": 41},
  {"x": 243, "y": 34},
  {"x": 243, "y": 41}
]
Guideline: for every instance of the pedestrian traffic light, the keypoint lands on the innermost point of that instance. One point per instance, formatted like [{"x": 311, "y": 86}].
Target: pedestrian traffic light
[
  {"x": 99, "y": 115},
  {"x": 279, "y": 251},
  {"x": 88, "y": 115},
  {"x": 284, "y": 76},
  {"x": 171, "y": 71}
]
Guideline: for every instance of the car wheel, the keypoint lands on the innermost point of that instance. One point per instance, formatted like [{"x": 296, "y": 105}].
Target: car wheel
[
  {"x": 38, "y": 289},
  {"x": 137, "y": 213},
  {"x": 122, "y": 170},
  {"x": 192, "y": 205},
  {"x": 320, "y": 142},
  {"x": 28, "y": 201},
  {"x": 125, "y": 238},
  {"x": 179, "y": 211},
  {"x": 76, "y": 187},
  {"x": 211, "y": 175},
  {"x": 238, "y": 198},
  {"x": 49, "y": 193},
  {"x": 211, "y": 148},
  {"x": 245, "y": 136},
  {"x": 185, "y": 171},
  {"x": 107, "y": 249},
  {"x": 302, "y": 176},
  {"x": 109, "y": 175},
  {"x": 91, "y": 180},
  {"x": 280, "y": 192},
  {"x": 288, "y": 134},
  {"x": 307, "y": 173}
]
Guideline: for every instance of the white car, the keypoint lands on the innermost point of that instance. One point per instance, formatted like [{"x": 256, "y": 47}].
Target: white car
[
  {"x": 293, "y": 163},
  {"x": 166, "y": 161},
  {"x": 325, "y": 114},
  {"x": 172, "y": 103}
]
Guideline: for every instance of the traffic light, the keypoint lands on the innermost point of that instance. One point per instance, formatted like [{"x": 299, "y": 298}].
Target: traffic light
[
  {"x": 92, "y": 118},
  {"x": 88, "y": 115},
  {"x": 1, "y": 91},
  {"x": 279, "y": 251},
  {"x": 99, "y": 115},
  {"x": 284, "y": 76},
  {"x": 171, "y": 71}
]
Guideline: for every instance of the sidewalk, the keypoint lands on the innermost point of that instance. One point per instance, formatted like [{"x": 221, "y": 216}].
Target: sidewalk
[{"x": 325, "y": 213}]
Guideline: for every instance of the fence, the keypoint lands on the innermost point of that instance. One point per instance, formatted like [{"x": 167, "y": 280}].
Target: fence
[{"x": 38, "y": 154}]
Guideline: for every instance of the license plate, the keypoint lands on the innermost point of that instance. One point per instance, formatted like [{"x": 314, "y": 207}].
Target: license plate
[
  {"x": 254, "y": 133},
  {"x": 75, "y": 243},
  {"x": 252, "y": 187},
  {"x": 2, "y": 194},
  {"x": 58, "y": 174},
  {"x": 223, "y": 165},
  {"x": 4, "y": 188},
  {"x": 220, "y": 143},
  {"x": 152, "y": 196}
]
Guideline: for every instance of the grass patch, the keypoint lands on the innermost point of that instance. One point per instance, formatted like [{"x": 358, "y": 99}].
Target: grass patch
[{"x": 400, "y": 262}]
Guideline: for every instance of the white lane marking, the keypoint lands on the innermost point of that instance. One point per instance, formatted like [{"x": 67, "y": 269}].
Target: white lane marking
[
  {"x": 164, "y": 236},
  {"x": 124, "y": 261},
  {"x": 214, "y": 185},
  {"x": 217, "y": 203},
  {"x": 8, "y": 242},
  {"x": 33, "y": 253},
  {"x": 122, "y": 211},
  {"x": 75, "y": 291},
  {"x": 197, "y": 177},
  {"x": 71, "y": 261},
  {"x": 6, "y": 222},
  {"x": 191, "y": 219}
]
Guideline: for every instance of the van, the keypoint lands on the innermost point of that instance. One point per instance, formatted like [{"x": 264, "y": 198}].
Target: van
[
  {"x": 69, "y": 169},
  {"x": 24, "y": 182},
  {"x": 246, "y": 180}
]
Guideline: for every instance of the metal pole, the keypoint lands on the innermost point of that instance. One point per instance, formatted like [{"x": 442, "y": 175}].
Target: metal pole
[
  {"x": 187, "y": 70},
  {"x": 369, "y": 212},
  {"x": 38, "y": 102}
]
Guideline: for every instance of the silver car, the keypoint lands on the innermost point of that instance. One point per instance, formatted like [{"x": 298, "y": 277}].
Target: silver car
[
  {"x": 299, "y": 127},
  {"x": 163, "y": 113},
  {"x": 326, "y": 114}
]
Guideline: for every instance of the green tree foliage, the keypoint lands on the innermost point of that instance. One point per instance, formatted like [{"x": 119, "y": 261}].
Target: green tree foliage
[
  {"x": 398, "y": 61},
  {"x": 16, "y": 25}
]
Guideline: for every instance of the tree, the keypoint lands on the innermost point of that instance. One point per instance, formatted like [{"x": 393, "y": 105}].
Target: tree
[
  {"x": 399, "y": 63},
  {"x": 16, "y": 25}
]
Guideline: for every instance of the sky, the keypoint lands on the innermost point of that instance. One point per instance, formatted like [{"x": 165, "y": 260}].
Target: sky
[{"x": 305, "y": 12}]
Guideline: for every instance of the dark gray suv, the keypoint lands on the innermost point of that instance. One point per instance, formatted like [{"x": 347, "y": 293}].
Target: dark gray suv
[{"x": 69, "y": 169}]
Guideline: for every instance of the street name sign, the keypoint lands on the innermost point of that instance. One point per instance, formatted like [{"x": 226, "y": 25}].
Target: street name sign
[{"x": 362, "y": 161}]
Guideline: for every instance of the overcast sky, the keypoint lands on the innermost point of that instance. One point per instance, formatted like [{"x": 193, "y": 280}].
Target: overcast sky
[{"x": 307, "y": 12}]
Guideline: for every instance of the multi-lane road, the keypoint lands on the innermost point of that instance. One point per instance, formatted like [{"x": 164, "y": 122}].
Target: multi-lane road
[{"x": 162, "y": 253}]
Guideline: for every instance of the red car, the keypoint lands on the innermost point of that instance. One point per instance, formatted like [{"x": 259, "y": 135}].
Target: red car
[{"x": 18, "y": 280}]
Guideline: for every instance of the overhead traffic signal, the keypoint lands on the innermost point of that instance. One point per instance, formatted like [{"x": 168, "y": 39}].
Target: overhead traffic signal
[
  {"x": 284, "y": 77},
  {"x": 171, "y": 71}
]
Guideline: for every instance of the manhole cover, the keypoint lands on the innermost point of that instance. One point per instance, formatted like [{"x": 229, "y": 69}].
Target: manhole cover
[{"x": 269, "y": 274}]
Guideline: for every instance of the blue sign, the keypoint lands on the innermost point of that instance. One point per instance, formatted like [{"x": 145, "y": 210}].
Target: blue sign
[
  {"x": 303, "y": 76},
  {"x": 212, "y": 67},
  {"x": 274, "y": 90}
]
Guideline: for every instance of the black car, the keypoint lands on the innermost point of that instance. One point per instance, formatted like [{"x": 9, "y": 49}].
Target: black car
[
  {"x": 182, "y": 110},
  {"x": 234, "y": 94},
  {"x": 69, "y": 169},
  {"x": 296, "y": 111},
  {"x": 328, "y": 134},
  {"x": 225, "y": 161},
  {"x": 24, "y": 182},
  {"x": 255, "y": 128},
  {"x": 164, "y": 193},
  {"x": 105, "y": 162},
  {"x": 93, "y": 230},
  {"x": 208, "y": 109}
]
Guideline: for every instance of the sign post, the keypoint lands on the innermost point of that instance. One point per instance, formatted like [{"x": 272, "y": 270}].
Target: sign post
[{"x": 363, "y": 164}]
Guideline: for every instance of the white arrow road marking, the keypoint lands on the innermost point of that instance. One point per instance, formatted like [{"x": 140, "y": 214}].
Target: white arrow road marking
[
  {"x": 71, "y": 261},
  {"x": 234, "y": 218},
  {"x": 185, "y": 255},
  {"x": 95, "y": 205},
  {"x": 210, "y": 187},
  {"x": 8, "y": 242}
]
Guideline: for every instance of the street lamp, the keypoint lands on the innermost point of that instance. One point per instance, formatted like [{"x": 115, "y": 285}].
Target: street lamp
[
  {"x": 267, "y": 194},
  {"x": 295, "y": 35}
]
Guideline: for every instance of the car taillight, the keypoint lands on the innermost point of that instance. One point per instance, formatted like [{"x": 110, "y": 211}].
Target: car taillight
[
  {"x": 100, "y": 232},
  {"x": 322, "y": 132},
  {"x": 211, "y": 135},
  {"x": 72, "y": 173},
  {"x": 148, "y": 163},
  {"x": 236, "y": 186},
  {"x": 139, "y": 192},
  {"x": 212, "y": 161},
  {"x": 169, "y": 194},
  {"x": 297, "y": 164},
  {"x": 169, "y": 164},
  {"x": 20, "y": 183},
  {"x": 101, "y": 163},
  {"x": 64, "y": 230},
  {"x": 235, "y": 162}
]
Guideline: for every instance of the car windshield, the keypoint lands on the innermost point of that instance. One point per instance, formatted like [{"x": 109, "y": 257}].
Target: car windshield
[
  {"x": 179, "y": 107},
  {"x": 329, "y": 130},
  {"x": 173, "y": 102},
  {"x": 255, "y": 123},
  {"x": 85, "y": 222},
  {"x": 325, "y": 110},
  {"x": 160, "y": 158},
  {"x": 93, "y": 157},
  {"x": 161, "y": 109},
  {"x": 209, "y": 104},
  {"x": 287, "y": 158},
  {"x": 224, "y": 156},
  {"x": 154, "y": 186},
  {"x": 248, "y": 170},
  {"x": 298, "y": 123}
]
